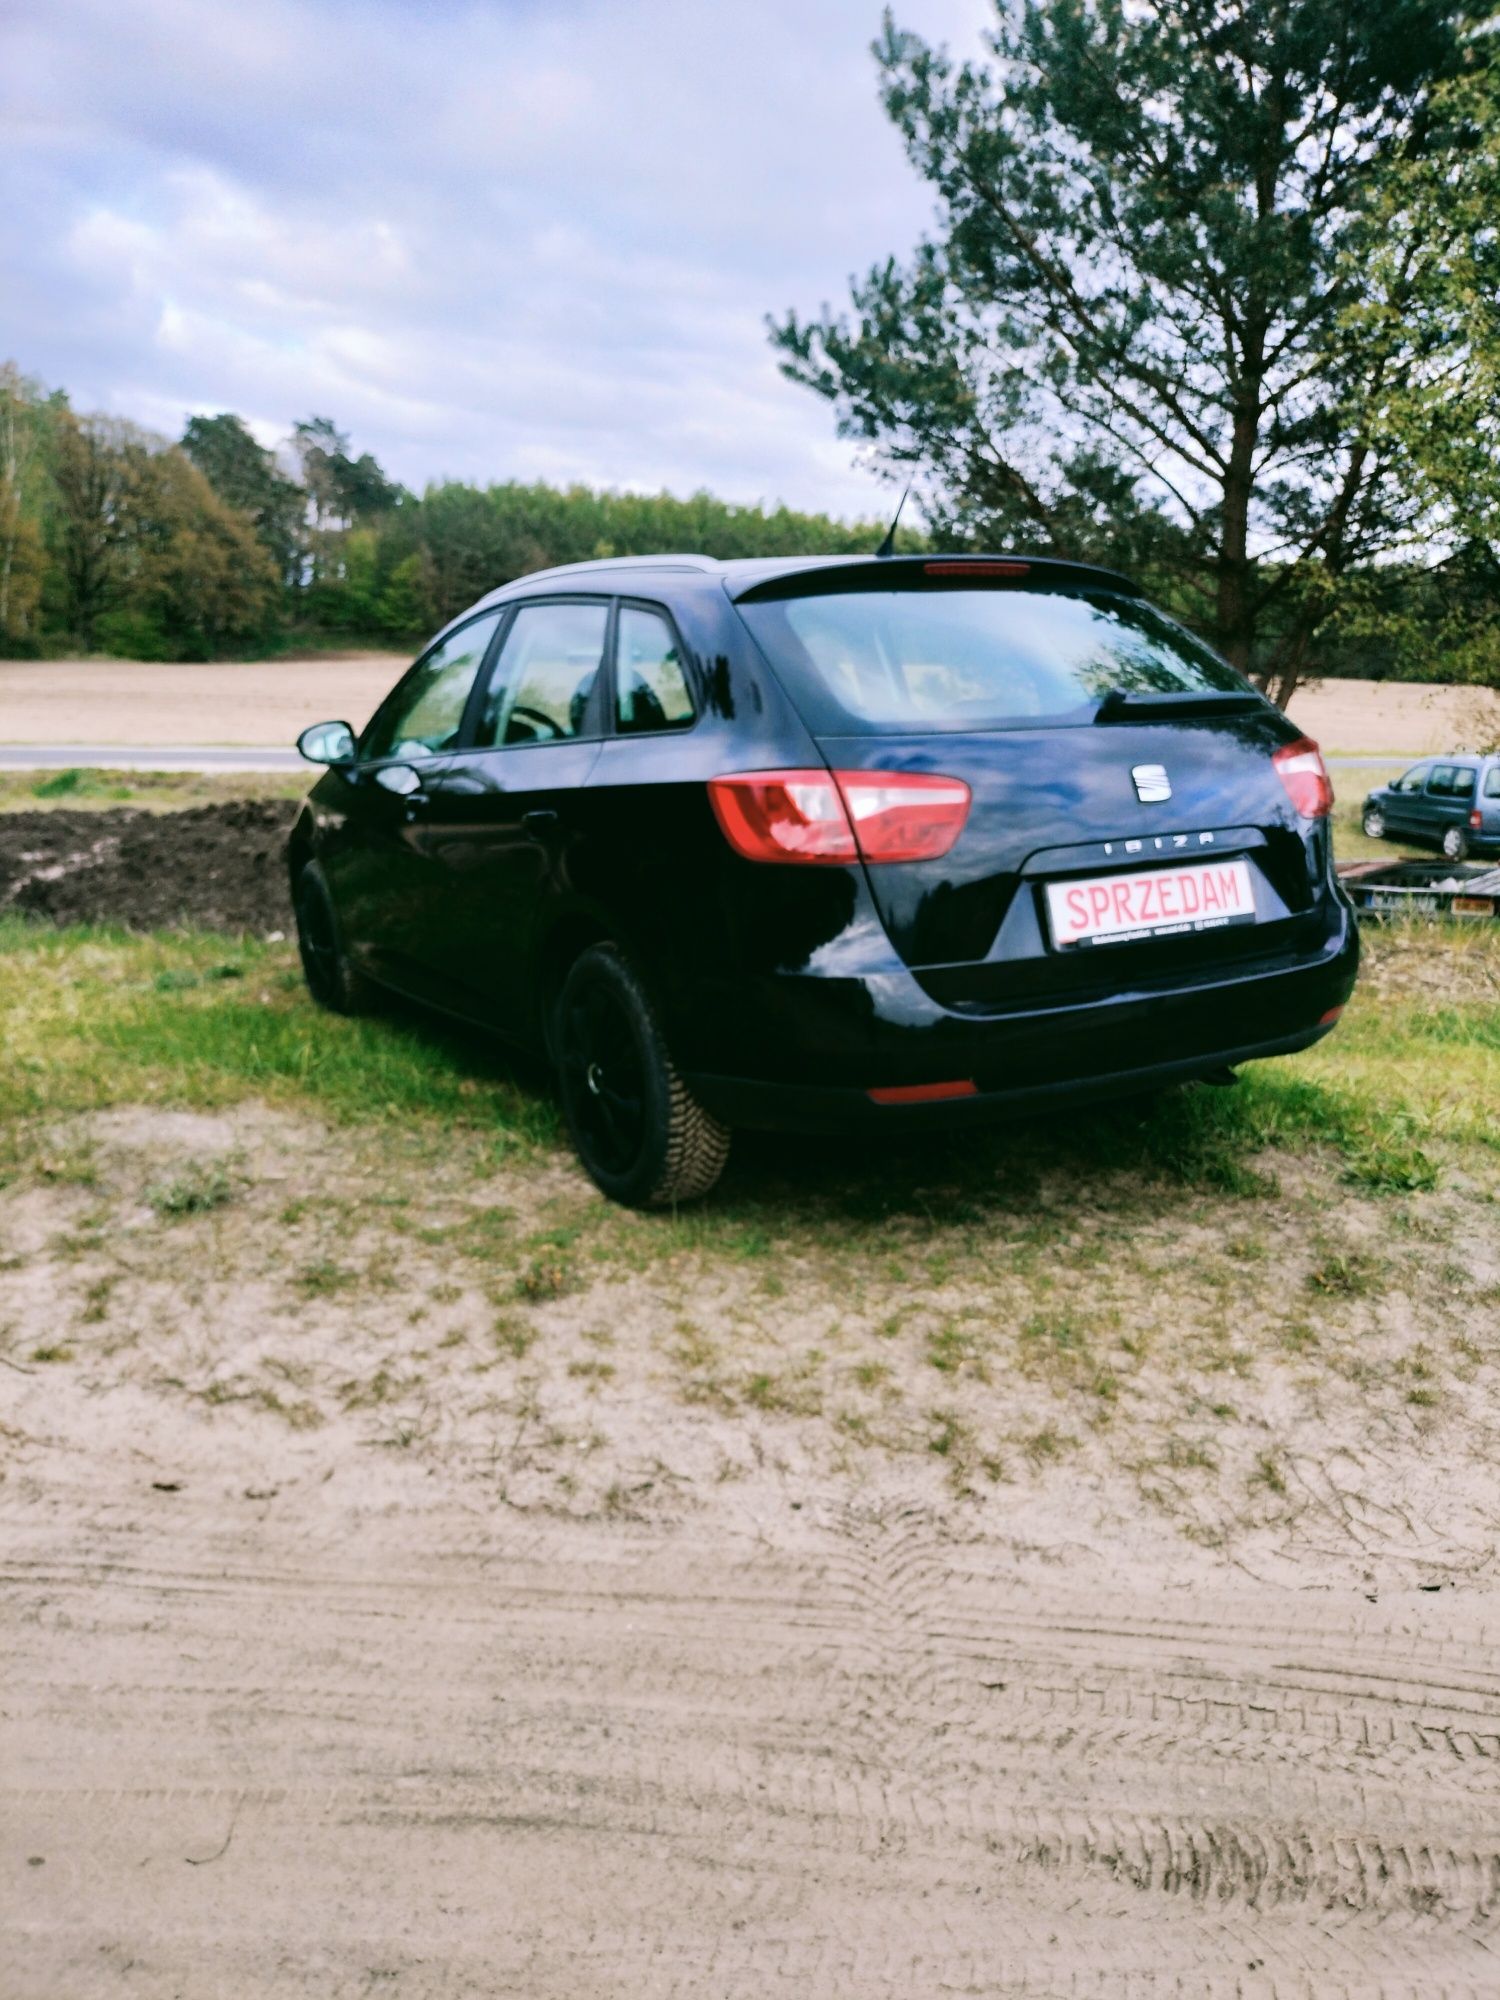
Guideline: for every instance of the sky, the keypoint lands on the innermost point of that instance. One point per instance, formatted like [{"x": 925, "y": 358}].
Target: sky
[{"x": 533, "y": 239}]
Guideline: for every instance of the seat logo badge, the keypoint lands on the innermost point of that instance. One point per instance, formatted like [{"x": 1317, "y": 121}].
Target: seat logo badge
[{"x": 1152, "y": 785}]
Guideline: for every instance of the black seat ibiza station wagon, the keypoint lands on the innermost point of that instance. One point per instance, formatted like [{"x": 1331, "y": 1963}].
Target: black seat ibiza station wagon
[{"x": 810, "y": 844}]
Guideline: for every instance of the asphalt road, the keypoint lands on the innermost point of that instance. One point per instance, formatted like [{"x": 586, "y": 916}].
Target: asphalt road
[{"x": 112, "y": 757}]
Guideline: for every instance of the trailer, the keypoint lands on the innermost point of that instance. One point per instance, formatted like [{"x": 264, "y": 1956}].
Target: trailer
[{"x": 1381, "y": 890}]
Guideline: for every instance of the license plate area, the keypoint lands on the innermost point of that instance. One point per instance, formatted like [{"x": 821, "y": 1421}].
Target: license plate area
[{"x": 1150, "y": 903}]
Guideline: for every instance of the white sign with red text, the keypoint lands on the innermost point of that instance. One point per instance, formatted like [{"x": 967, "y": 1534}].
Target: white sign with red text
[{"x": 1161, "y": 902}]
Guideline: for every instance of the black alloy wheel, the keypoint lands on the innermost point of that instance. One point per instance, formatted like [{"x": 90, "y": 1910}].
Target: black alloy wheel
[
  {"x": 331, "y": 979},
  {"x": 642, "y": 1135}
]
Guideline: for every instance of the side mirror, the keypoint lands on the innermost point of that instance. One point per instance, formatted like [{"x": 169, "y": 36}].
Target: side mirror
[{"x": 327, "y": 743}]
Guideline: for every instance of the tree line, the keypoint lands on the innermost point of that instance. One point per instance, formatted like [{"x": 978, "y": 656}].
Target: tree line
[{"x": 114, "y": 539}]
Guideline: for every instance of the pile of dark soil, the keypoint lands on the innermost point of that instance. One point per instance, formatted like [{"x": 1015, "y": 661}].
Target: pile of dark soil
[{"x": 219, "y": 867}]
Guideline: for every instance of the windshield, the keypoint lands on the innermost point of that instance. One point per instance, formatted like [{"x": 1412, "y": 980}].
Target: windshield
[{"x": 975, "y": 659}]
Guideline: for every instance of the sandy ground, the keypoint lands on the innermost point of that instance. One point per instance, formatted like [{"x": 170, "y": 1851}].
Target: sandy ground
[
  {"x": 346, "y": 1652},
  {"x": 269, "y": 702},
  {"x": 1405, "y": 718},
  {"x": 144, "y": 704}
]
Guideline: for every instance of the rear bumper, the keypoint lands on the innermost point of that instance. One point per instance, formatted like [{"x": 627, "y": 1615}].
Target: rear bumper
[
  {"x": 835, "y": 1040},
  {"x": 788, "y": 1107}
]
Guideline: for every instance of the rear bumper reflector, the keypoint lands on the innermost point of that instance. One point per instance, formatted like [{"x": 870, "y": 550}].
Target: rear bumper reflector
[
  {"x": 1327, "y": 1020},
  {"x": 923, "y": 1093}
]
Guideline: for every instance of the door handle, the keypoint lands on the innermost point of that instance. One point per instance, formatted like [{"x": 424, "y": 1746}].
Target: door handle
[{"x": 539, "y": 819}]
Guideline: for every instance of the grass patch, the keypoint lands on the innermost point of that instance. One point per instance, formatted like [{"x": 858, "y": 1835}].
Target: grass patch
[
  {"x": 154, "y": 791},
  {"x": 93, "y": 1018},
  {"x": 1352, "y": 1274},
  {"x": 325, "y": 1279},
  {"x": 194, "y": 1189},
  {"x": 546, "y": 1277}
]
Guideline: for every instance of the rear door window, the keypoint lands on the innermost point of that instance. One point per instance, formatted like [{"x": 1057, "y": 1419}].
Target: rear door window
[
  {"x": 976, "y": 659},
  {"x": 423, "y": 715},
  {"x": 1492, "y": 782},
  {"x": 651, "y": 687},
  {"x": 543, "y": 684},
  {"x": 1443, "y": 783}
]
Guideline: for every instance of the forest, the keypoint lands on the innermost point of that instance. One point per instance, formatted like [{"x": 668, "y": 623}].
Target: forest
[{"x": 115, "y": 540}]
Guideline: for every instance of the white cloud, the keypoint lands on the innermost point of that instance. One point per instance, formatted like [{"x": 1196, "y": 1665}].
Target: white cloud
[{"x": 490, "y": 240}]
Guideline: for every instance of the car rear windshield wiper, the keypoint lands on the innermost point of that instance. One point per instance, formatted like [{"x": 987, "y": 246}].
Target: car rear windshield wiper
[{"x": 1127, "y": 705}]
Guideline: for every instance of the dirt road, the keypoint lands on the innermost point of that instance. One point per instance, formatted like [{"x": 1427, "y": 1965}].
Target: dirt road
[
  {"x": 275, "y": 1739},
  {"x": 268, "y": 702}
]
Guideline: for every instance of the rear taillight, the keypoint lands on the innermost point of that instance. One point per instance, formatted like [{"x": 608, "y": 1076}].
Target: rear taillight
[
  {"x": 904, "y": 815},
  {"x": 1301, "y": 769},
  {"x": 1476, "y": 820},
  {"x": 783, "y": 816},
  {"x": 839, "y": 816}
]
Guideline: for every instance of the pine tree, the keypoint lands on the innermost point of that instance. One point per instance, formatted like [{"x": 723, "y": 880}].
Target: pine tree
[{"x": 1132, "y": 334}]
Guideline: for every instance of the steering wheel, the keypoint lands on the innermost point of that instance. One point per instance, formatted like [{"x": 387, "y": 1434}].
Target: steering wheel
[{"x": 533, "y": 717}]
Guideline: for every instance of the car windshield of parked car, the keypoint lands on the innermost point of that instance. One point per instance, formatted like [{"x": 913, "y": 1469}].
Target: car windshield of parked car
[
  {"x": 424, "y": 714},
  {"x": 976, "y": 659},
  {"x": 1412, "y": 780}
]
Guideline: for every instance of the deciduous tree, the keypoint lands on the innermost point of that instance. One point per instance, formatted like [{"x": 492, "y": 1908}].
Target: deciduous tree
[{"x": 24, "y": 418}]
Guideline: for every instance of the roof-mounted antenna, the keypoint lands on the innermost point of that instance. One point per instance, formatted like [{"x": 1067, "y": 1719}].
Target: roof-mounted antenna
[{"x": 888, "y": 546}]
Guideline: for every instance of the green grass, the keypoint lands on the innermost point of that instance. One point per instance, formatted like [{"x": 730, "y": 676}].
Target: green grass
[
  {"x": 93, "y": 1018},
  {"x": 156, "y": 791},
  {"x": 196, "y": 1188}
]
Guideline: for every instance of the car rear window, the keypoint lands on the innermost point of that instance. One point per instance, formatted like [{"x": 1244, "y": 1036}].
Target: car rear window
[{"x": 976, "y": 659}]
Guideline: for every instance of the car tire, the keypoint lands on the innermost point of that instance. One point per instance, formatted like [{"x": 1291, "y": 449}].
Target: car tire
[
  {"x": 1456, "y": 843},
  {"x": 1374, "y": 823},
  {"x": 642, "y": 1136},
  {"x": 331, "y": 980}
]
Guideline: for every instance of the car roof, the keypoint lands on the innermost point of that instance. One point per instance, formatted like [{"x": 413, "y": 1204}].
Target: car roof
[
  {"x": 742, "y": 575},
  {"x": 1427, "y": 757}
]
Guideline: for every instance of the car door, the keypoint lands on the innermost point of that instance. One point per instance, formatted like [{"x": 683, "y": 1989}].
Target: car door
[
  {"x": 501, "y": 819},
  {"x": 1448, "y": 799},
  {"x": 1489, "y": 806},
  {"x": 379, "y": 859},
  {"x": 1403, "y": 800}
]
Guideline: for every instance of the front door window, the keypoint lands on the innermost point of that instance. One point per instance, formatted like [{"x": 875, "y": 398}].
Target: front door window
[
  {"x": 423, "y": 716},
  {"x": 543, "y": 683}
]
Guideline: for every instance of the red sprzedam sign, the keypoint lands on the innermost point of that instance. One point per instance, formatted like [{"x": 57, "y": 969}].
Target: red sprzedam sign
[{"x": 1160, "y": 902}]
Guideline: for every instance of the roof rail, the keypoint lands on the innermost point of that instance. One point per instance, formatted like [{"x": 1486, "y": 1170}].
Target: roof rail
[{"x": 706, "y": 564}]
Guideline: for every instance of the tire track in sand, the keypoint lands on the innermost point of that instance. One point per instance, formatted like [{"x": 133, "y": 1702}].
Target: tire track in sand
[{"x": 550, "y": 1758}]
